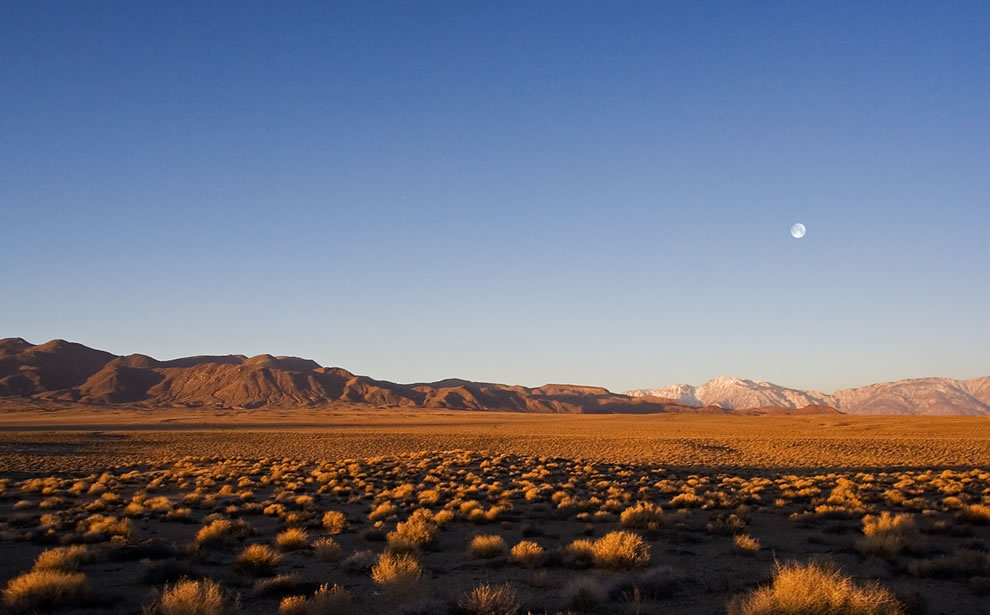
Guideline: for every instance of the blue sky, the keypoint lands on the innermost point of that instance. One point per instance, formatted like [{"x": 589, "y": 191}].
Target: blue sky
[{"x": 506, "y": 191}]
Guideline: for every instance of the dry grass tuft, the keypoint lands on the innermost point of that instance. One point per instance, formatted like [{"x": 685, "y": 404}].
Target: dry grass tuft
[
  {"x": 396, "y": 572},
  {"x": 487, "y": 546},
  {"x": 66, "y": 559},
  {"x": 292, "y": 539},
  {"x": 584, "y": 594},
  {"x": 975, "y": 513},
  {"x": 416, "y": 532},
  {"x": 488, "y": 599},
  {"x": 744, "y": 543},
  {"x": 961, "y": 563},
  {"x": 327, "y": 550},
  {"x": 620, "y": 550},
  {"x": 193, "y": 598},
  {"x": 528, "y": 554},
  {"x": 334, "y": 522},
  {"x": 887, "y": 535},
  {"x": 642, "y": 516},
  {"x": 258, "y": 560},
  {"x": 45, "y": 589},
  {"x": 815, "y": 589}
]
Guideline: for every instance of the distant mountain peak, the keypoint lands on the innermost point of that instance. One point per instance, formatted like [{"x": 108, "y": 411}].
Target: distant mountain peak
[{"x": 927, "y": 396}]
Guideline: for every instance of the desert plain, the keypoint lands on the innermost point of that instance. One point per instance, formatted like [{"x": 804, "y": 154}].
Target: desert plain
[{"x": 352, "y": 509}]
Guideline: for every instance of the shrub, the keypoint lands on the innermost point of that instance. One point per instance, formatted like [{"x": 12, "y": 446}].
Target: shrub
[
  {"x": 279, "y": 586},
  {"x": 687, "y": 500},
  {"x": 620, "y": 550},
  {"x": 383, "y": 511},
  {"x": 330, "y": 600},
  {"x": 258, "y": 560},
  {"x": 744, "y": 543},
  {"x": 327, "y": 550},
  {"x": 488, "y": 599},
  {"x": 44, "y": 589},
  {"x": 962, "y": 563},
  {"x": 975, "y": 513},
  {"x": 579, "y": 554},
  {"x": 335, "y": 522},
  {"x": 359, "y": 562},
  {"x": 812, "y": 589},
  {"x": 292, "y": 539},
  {"x": 66, "y": 559},
  {"x": 487, "y": 546},
  {"x": 419, "y": 530},
  {"x": 527, "y": 553},
  {"x": 292, "y": 605},
  {"x": 218, "y": 532},
  {"x": 643, "y": 516},
  {"x": 193, "y": 598},
  {"x": 583, "y": 594},
  {"x": 887, "y": 535},
  {"x": 396, "y": 572}
]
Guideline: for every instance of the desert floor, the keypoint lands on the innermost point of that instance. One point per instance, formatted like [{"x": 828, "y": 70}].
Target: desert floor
[{"x": 148, "y": 497}]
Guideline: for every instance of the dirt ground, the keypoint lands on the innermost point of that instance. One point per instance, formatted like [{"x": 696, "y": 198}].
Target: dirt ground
[{"x": 800, "y": 486}]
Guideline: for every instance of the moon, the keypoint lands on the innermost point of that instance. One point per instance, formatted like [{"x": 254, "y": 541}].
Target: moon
[{"x": 798, "y": 231}]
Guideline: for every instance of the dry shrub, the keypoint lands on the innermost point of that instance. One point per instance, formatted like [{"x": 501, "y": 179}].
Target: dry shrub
[
  {"x": 579, "y": 554},
  {"x": 193, "y": 598},
  {"x": 687, "y": 500},
  {"x": 66, "y": 559},
  {"x": 975, "y": 513},
  {"x": 330, "y": 599},
  {"x": 584, "y": 594},
  {"x": 218, "y": 532},
  {"x": 962, "y": 563},
  {"x": 334, "y": 521},
  {"x": 292, "y": 539},
  {"x": 326, "y": 550},
  {"x": 359, "y": 562},
  {"x": 487, "y": 546},
  {"x": 527, "y": 553},
  {"x": 744, "y": 543},
  {"x": 278, "y": 586},
  {"x": 44, "y": 589},
  {"x": 488, "y": 599},
  {"x": 396, "y": 572},
  {"x": 383, "y": 511},
  {"x": 292, "y": 605},
  {"x": 443, "y": 516},
  {"x": 815, "y": 589},
  {"x": 414, "y": 533},
  {"x": 887, "y": 535},
  {"x": 257, "y": 560},
  {"x": 620, "y": 550},
  {"x": 642, "y": 516}
]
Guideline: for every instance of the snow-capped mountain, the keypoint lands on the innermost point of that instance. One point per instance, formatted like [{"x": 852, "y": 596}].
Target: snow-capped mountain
[{"x": 924, "y": 396}]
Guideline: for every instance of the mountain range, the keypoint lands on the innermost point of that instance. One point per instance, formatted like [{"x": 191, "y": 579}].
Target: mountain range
[
  {"x": 922, "y": 396},
  {"x": 61, "y": 371}
]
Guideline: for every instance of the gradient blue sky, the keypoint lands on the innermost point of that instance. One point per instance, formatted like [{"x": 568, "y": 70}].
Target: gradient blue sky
[{"x": 522, "y": 192}]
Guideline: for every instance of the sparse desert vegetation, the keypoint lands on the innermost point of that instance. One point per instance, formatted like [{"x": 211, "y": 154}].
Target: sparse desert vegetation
[{"x": 493, "y": 531}]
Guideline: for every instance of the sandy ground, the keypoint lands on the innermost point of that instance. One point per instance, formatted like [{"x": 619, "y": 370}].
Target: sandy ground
[{"x": 493, "y": 458}]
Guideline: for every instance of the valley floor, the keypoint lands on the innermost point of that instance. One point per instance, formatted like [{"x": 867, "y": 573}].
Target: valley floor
[{"x": 705, "y": 505}]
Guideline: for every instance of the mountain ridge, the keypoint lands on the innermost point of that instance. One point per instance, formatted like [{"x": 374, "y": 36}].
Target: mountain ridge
[
  {"x": 61, "y": 371},
  {"x": 931, "y": 396}
]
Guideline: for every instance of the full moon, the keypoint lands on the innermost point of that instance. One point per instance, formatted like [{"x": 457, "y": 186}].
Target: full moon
[{"x": 798, "y": 231}]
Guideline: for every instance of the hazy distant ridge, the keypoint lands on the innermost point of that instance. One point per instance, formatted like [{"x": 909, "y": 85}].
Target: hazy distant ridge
[{"x": 921, "y": 396}]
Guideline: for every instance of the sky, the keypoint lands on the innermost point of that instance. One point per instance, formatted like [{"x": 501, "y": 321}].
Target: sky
[{"x": 517, "y": 192}]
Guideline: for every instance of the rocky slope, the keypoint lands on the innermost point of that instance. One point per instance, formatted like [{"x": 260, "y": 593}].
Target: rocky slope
[
  {"x": 922, "y": 396},
  {"x": 65, "y": 371}
]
